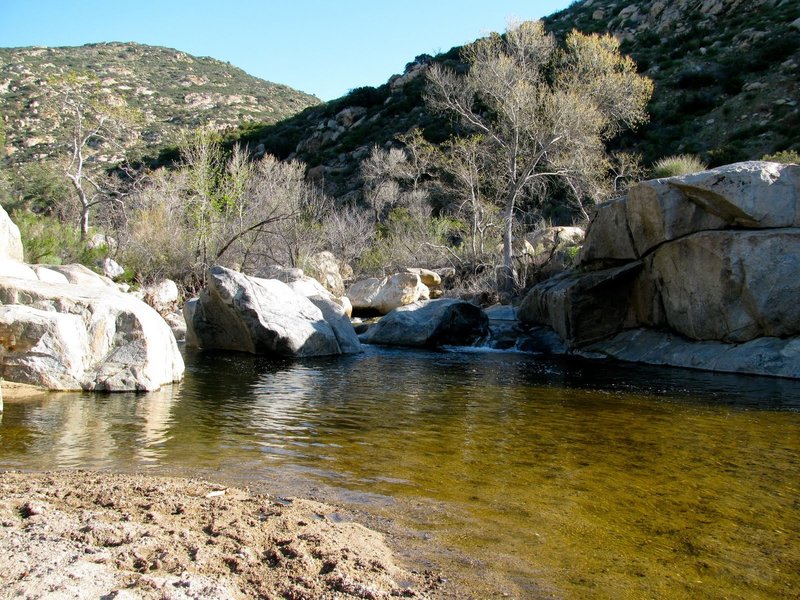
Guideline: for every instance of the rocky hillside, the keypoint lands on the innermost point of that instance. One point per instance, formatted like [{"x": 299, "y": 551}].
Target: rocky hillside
[
  {"x": 169, "y": 89},
  {"x": 726, "y": 73}
]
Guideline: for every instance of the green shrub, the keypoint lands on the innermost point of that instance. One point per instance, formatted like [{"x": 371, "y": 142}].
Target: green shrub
[
  {"x": 679, "y": 164},
  {"x": 784, "y": 156},
  {"x": 47, "y": 240}
]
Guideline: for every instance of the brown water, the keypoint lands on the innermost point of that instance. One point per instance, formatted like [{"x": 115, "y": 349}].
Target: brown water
[{"x": 518, "y": 476}]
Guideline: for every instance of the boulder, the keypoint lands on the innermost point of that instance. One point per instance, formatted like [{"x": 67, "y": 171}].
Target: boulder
[
  {"x": 111, "y": 268},
  {"x": 284, "y": 274},
  {"x": 260, "y": 316},
  {"x": 384, "y": 295},
  {"x": 324, "y": 267},
  {"x": 731, "y": 286},
  {"x": 755, "y": 195},
  {"x": 429, "y": 324},
  {"x": 582, "y": 307},
  {"x": 10, "y": 241},
  {"x": 177, "y": 324},
  {"x": 162, "y": 296},
  {"x": 337, "y": 317},
  {"x": 707, "y": 274},
  {"x": 70, "y": 337},
  {"x": 426, "y": 276},
  {"x": 305, "y": 286}
]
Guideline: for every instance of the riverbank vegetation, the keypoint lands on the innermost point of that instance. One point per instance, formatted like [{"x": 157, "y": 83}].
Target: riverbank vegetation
[{"x": 533, "y": 118}]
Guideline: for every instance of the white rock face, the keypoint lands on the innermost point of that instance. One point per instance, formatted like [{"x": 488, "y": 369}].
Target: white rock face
[
  {"x": 753, "y": 195},
  {"x": 162, "y": 296},
  {"x": 384, "y": 295},
  {"x": 260, "y": 316},
  {"x": 112, "y": 268},
  {"x": 67, "y": 337},
  {"x": 84, "y": 276},
  {"x": 10, "y": 242},
  {"x": 324, "y": 267}
]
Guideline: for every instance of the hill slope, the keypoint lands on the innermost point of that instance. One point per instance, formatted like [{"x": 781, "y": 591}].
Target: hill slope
[
  {"x": 171, "y": 90},
  {"x": 726, "y": 73}
]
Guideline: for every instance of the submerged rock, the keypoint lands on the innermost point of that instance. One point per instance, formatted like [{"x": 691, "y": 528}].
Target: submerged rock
[
  {"x": 431, "y": 323},
  {"x": 262, "y": 316}
]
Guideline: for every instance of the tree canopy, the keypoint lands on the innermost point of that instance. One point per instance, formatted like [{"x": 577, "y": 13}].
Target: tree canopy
[{"x": 542, "y": 111}]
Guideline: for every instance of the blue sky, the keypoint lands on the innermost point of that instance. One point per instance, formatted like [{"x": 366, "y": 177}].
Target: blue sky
[{"x": 321, "y": 47}]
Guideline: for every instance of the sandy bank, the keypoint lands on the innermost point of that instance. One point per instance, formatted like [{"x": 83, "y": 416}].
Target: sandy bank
[{"x": 99, "y": 535}]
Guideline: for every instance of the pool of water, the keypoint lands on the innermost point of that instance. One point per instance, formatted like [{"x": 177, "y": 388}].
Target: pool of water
[{"x": 517, "y": 475}]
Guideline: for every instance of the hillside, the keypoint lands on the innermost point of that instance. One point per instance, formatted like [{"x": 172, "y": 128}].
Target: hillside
[
  {"x": 726, "y": 73},
  {"x": 169, "y": 89}
]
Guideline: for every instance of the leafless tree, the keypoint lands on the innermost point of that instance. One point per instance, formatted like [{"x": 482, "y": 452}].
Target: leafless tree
[{"x": 543, "y": 112}]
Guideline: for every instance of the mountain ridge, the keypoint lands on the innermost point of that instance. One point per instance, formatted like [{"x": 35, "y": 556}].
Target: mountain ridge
[{"x": 171, "y": 89}]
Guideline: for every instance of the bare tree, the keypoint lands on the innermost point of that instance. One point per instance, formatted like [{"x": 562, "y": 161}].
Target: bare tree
[
  {"x": 543, "y": 112},
  {"x": 94, "y": 120}
]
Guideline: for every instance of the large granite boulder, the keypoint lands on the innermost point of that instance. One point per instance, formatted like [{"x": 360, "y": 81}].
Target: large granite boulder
[
  {"x": 71, "y": 337},
  {"x": 384, "y": 295},
  {"x": 261, "y": 316},
  {"x": 711, "y": 258},
  {"x": 304, "y": 285},
  {"x": 732, "y": 286},
  {"x": 581, "y": 308},
  {"x": 162, "y": 296},
  {"x": 431, "y": 323},
  {"x": 753, "y": 195}
]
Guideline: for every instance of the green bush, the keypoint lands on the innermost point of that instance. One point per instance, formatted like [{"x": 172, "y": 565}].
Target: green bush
[
  {"x": 679, "y": 164},
  {"x": 784, "y": 156},
  {"x": 47, "y": 240}
]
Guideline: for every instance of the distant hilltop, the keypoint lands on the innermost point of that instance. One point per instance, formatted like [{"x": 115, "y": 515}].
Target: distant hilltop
[{"x": 170, "y": 90}]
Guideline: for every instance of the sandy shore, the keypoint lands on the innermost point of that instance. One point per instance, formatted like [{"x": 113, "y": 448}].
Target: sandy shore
[{"x": 78, "y": 534}]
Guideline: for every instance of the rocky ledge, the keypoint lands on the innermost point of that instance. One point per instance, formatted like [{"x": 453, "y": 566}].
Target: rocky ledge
[{"x": 698, "y": 271}]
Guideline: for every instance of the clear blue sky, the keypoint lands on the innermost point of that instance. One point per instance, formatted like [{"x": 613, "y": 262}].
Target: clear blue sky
[{"x": 323, "y": 47}]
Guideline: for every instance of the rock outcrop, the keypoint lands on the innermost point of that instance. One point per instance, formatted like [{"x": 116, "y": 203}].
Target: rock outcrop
[
  {"x": 72, "y": 337},
  {"x": 430, "y": 323},
  {"x": 67, "y": 328},
  {"x": 384, "y": 295},
  {"x": 264, "y": 316},
  {"x": 711, "y": 259}
]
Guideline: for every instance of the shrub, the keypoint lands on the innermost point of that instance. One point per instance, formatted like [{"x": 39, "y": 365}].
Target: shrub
[
  {"x": 47, "y": 240},
  {"x": 679, "y": 164},
  {"x": 784, "y": 156}
]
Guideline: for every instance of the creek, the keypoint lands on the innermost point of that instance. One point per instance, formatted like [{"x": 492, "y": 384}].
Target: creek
[{"x": 510, "y": 473}]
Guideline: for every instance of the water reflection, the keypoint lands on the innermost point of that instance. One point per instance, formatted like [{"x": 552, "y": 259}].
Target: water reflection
[{"x": 568, "y": 479}]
